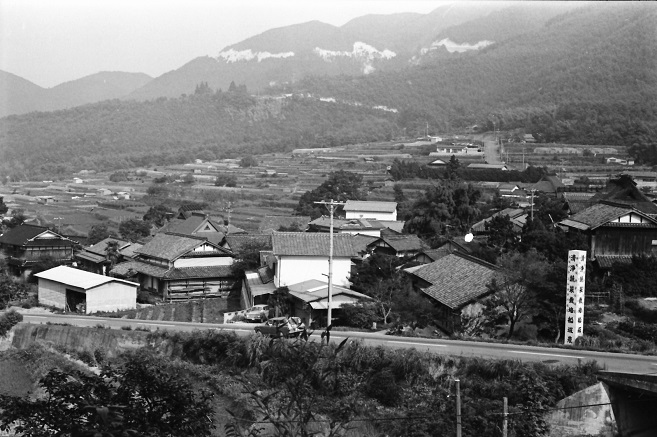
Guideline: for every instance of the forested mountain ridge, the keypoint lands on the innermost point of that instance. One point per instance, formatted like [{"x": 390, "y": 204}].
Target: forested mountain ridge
[
  {"x": 20, "y": 96},
  {"x": 117, "y": 134},
  {"x": 362, "y": 46}
]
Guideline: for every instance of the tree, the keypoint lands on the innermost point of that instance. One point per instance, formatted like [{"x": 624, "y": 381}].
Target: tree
[
  {"x": 281, "y": 301},
  {"x": 453, "y": 167},
  {"x": 157, "y": 400},
  {"x": 134, "y": 230},
  {"x": 247, "y": 257},
  {"x": 188, "y": 179},
  {"x": 399, "y": 193},
  {"x": 3, "y": 207},
  {"x": 18, "y": 217},
  {"x": 501, "y": 234},
  {"x": 98, "y": 233},
  {"x": 158, "y": 215},
  {"x": 340, "y": 186},
  {"x": 248, "y": 161},
  {"x": 112, "y": 253},
  {"x": 225, "y": 180},
  {"x": 513, "y": 286}
]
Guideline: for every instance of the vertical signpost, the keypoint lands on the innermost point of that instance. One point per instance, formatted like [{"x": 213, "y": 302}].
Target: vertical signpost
[{"x": 575, "y": 296}]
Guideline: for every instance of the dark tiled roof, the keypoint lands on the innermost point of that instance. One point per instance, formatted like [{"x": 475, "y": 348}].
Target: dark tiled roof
[
  {"x": 199, "y": 272},
  {"x": 404, "y": 243},
  {"x": 124, "y": 269},
  {"x": 624, "y": 191},
  {"x": 312, "y": 244},
  {"x": 597, "y": 215},
  {"x": 265, "y": 274},
  {"x": 169, "y": 246},
  {"x": 237, "y": 243},
  {"x": 362, "y": 241},
  {"x": 369, "y": 206},
  {"x": 436, "y": 254},
  {"x": 607, "y": 261},
  {"x": 272, "y": 223},
  {"x": 20, "y": 235},
  {"x": 456, "y": 279},
  {"x": 513, "y": 213},
  {"x": 90, "y": 256},
  {"x": 101, "y": 247}
]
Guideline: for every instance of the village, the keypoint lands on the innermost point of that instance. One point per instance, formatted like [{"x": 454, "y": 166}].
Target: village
[{"x": 189, "y": 254}]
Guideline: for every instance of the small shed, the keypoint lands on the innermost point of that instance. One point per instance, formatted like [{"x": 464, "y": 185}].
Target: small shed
[{"x": 85, "y": 292}]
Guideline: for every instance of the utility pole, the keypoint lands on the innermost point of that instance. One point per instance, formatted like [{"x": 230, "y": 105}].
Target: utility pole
[
  {"x": 532, "y": 213},
  {"x": 505, "y": 423},
  {"x": 331, "y": 205},
  {"x": 458, "y": 407}
]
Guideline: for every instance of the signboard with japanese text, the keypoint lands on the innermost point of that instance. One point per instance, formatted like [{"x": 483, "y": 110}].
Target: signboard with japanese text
[{"x": 575, "y": 296}]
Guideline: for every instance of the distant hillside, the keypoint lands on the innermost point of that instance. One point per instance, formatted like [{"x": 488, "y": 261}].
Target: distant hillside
[
  {"x": 115, "y": 134},
  {"x": 22, "y": 96},
  {"x": 288, "y": 54}
]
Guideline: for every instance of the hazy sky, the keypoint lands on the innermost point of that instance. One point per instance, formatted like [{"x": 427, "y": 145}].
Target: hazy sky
[{"x": 53, "y": 41}]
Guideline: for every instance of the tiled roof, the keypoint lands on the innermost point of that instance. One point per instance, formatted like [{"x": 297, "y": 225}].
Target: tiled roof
[
  {"x": 255, "y": 284},
  {"x": 436, "y": 254},
  {"x": 624, "y": 191},
  {"x": 312, "y": 244},
  {"x": 403, "y": 243},
  {"x": 346, "y": 224},
  {"x": 457, "y": 279},
  {"x": 369, "y": 206},
  {"x": 272, "y": 223},
  {"x": 596, "y": 215},
  {"x": 237, "y": 243},
  {"x": 90, "y": 256},
  {"x": 362, "y": 241},
  {"x": 169, "y": 246},
  {"x": 101, "y": 247},
  {"x": 20, "y": 235},
  {"x": 199, "y": 272},
  {"x": 607, "y": 261},
  {"x": 513, "y": 213},
  {"x": 124, "y": 268}
]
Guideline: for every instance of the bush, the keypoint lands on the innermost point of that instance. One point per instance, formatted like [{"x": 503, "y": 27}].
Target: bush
[
  {"x": 358, "y": 316},
  {"x": 8, "y": 320},
  {"x": 100, "y": 355}
]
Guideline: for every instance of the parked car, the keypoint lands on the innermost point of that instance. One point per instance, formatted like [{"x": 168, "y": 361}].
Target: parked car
[
  {"x": 257, "y": 313},
  {"x": 281, "y": 327}
]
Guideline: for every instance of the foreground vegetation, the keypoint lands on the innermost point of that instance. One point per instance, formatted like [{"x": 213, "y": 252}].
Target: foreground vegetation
[{"x": 256, "y": 386}]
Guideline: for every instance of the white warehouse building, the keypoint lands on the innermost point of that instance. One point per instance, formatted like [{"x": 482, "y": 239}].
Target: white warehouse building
[{"x": 76, "y": 290}]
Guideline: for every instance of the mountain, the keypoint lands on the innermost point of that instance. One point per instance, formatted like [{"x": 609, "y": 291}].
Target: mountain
[
  {"x": 288, "y": 54},
  {"x": 22, "y": 96}
]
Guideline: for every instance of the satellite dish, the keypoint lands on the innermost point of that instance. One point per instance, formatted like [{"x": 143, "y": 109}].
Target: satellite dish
[{"x": 468, "y": 237}]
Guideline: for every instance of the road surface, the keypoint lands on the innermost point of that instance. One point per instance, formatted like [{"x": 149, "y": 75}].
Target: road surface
[
  {"x": 609, "y": 361},
  {"x": 491, "y": 148}
]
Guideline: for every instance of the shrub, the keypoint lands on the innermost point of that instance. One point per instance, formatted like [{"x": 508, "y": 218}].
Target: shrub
[
  {"x": 100, "y": 355},
  {"x": 8, "y": 320}
]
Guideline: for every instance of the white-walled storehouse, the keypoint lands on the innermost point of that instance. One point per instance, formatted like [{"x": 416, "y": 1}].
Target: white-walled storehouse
[
  {"x": 300, "y": 256},
  {"x": 361, "y": 209},
  {"x": 81, "y": 291}
]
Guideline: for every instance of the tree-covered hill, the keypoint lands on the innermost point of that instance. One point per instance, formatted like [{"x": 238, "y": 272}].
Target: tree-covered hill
[
  {"x": 115, "y": 134},
  {"x": 588, "y": 75}
]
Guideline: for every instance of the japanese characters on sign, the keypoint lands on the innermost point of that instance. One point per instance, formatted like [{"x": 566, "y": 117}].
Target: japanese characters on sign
[{"x": 575, "y": 296}]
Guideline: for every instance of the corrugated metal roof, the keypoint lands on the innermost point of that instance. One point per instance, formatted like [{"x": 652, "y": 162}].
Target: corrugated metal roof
[
  {"x": 79, "y": 278},
  {"x": 369, "y": 206}
]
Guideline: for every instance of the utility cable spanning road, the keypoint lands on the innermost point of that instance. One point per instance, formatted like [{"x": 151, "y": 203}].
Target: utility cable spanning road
[{"x": 609, "y": 361}]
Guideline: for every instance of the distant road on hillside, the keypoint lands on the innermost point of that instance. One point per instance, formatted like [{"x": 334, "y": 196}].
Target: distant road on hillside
[{"x": 609, "y": 361}]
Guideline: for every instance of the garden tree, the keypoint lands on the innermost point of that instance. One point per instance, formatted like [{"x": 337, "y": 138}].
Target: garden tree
[
  {"x": 158, "y": 215},
  {"x": 340, "y": 186},
  {"x": 247, "y": 257},
  {"x": 552, "y": 242},
  {"x": 112, "y": 253},
  {"x": 375, "y": 267},
  {"x": 98, "y": 233},
  {"x": 501, "y": 234},
  {"x": 453, "y": 167},
  {"x": 281, "y": 301},
  {"x": 7, "y": 321},
  {"x": 248, "y": 161},
  {"x": 549, "y": 210},
  {"x": 638, "y": 278},
  {"x": 157, "y": 400},
  {"x": 134, "y": 230},
  {"x": 225, "y": 180},
  {"x": 514, "y": 286},
  {"x": 550, "y": 301},
  {"x": 3, "y": 207},
  {"x": 445, "y": 208},
  {"x": 11, "y": 290},
  {"x": 17, "y": 218}
]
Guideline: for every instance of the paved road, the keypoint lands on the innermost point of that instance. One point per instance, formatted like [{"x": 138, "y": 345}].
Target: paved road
[
  {"x": 609, "y": 361},
  {"x": 491, "y": 148}
]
